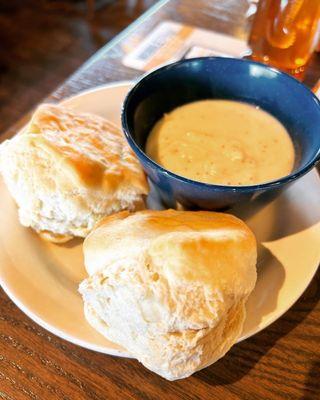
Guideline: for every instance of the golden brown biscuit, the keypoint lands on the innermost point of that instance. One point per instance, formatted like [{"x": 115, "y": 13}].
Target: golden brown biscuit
[{"x": 67, "y": 170}]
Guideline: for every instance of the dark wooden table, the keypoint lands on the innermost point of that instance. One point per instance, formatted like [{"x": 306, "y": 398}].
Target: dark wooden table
[{"x": 281, "y": 362}]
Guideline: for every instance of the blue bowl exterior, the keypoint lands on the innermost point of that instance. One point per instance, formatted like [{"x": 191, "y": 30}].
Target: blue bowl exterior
[{"x": 224, "y": 78}]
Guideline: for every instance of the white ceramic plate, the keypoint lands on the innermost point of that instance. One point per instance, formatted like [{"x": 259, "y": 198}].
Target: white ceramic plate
[{"x": 42, "y": 278}]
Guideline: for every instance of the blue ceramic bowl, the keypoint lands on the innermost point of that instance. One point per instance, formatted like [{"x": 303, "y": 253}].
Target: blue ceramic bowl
[{"x": 221, "y": 78}]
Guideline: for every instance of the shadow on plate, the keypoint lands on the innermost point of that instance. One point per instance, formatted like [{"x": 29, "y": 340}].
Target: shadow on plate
[
  {"x": 245, "y": 355},
  {"x": 291, "y": 212},
  {"x": 71, "y": 243},
  {"x": 264, "y": 298}
]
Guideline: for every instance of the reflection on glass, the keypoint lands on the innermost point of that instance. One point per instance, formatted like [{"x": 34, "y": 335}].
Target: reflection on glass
[{"x": 285, "y": 32}]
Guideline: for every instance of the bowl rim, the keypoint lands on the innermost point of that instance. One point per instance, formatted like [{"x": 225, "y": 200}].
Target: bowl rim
[{"x": 202, "y": 185}]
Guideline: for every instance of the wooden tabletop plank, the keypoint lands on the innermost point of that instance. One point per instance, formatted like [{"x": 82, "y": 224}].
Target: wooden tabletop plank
[{"x": 281, "y": 362}]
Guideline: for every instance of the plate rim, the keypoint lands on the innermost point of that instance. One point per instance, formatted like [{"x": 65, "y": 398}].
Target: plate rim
[{"x": 96, "y": 89}]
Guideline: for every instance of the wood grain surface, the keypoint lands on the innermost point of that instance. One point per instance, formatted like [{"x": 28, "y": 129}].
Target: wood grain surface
[
  {"x": 281, "y": 362},
  {"x": 48, "y": 40}
]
